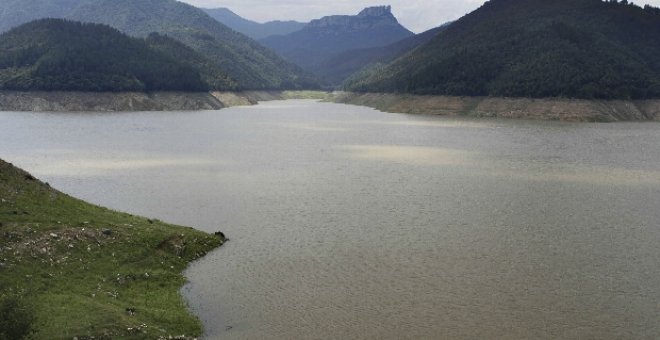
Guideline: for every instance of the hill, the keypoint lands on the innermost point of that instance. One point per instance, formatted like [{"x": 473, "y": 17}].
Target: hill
[
  {"x": 211, "y": 73},
  {"x": 248, "y": 64},
  {"x": 340, "y": 67},
  {"x": 54, "y": 54},
  {"x": 329, "y": 36},
  {"x": 71, "y": 269},
  {"x": 533, "y": 48},
  {"x": 253, "y": 29}
]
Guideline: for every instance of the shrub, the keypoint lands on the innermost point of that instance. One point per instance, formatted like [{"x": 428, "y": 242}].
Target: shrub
[{"x": 16, "y": 318}]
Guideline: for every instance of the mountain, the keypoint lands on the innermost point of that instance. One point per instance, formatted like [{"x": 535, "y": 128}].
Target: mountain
[
  {"x": 246, "y": 62},
  {"x": 251, "y": 28},
  {"x": 340, "y": 67},
  {"x": 54, "y": 54},
  {"x": 533, "y": 48},
  {"x": 329, "y": 36},
  {"x": 210, "y": 72}
]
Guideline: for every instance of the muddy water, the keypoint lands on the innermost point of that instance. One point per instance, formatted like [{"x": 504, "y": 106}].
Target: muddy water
[{"x": 350, "y": 223}]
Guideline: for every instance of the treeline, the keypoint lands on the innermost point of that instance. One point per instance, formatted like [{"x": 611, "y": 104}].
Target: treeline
[
  {"x": 244, "y": 63},
  {"x": 533, "y": 48},
  {"x": 54, "y": 54},
  {"x": 648, "y": 8},
  {"x": 250, "y": 65}
]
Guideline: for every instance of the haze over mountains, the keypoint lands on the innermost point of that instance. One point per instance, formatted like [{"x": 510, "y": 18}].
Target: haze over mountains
[
  {"x": 340, "y": 67},
  {"x": 251, "y": 28},
  {"x": 248, "y": 64},
  {"x": 326, "y": 37}
]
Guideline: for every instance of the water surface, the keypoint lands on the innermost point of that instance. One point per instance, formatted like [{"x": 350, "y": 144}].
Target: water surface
[{"x": 346, "y": 222}]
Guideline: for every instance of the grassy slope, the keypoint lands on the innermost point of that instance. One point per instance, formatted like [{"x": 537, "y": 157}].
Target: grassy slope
[{"x": 55, "y": 256}]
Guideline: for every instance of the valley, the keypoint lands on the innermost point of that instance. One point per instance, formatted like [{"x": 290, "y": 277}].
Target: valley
[{"x": 419, "y": 170}]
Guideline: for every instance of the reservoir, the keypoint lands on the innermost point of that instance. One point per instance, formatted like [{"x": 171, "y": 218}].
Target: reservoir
[{"x": 346, "y": 222}]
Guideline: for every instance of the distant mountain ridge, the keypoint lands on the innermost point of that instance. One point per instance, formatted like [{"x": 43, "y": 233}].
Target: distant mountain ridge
[
  {"x": 248, "y": 64},
  {"x": 251, "y": 28},
  {"x": 533, "y": 48},
  {"x": 340, "y": 67},
  {"x": 326, "y": 37}
]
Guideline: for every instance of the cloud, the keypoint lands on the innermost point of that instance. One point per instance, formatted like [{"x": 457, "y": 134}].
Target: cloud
[{"x": 417, "y": 15}]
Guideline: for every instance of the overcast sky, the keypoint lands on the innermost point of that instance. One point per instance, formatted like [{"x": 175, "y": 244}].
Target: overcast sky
[{"x": 416, "y": 15}]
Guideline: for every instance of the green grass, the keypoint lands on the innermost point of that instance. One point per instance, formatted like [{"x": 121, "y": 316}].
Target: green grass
[
  {"x": 307, "y": 94},
  {"x": 76, "y": 268}
]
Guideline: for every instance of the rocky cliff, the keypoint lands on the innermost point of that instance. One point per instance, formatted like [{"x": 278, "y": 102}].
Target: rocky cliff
[{"x": 368, "y": 18}]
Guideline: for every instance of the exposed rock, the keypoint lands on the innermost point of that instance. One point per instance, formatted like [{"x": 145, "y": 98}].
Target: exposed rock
[
  {"x": 106, "y": 102},
  {"x": 128, "y": 101},
  {"x": 376, "y": 11},
  {"x": 368, "y": 17},
  {"x": 221, "y": 235},
  {"x": 575, "y": 110}
]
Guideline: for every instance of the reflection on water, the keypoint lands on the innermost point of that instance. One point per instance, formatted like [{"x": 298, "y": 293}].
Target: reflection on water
[
  {"x": 406, "y": 154},
  {"x": 350, "y": 223},
  {"x": 311, "y": 127},
  {"x": 92, "y": 165}
]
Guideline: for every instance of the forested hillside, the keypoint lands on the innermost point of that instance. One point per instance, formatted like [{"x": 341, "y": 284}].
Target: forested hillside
[
  {"x": 340, "y": 67},
  {"x": 248, "y": 64},
  {"x": 54, "y": 54},
  {"x": 209, "y": 71},
  {"x": 533, "y": 48}
]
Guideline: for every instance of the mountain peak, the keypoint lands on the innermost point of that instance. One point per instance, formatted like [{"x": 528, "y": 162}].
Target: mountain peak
[
  {"x": 367, "y": 18},
  {"x": 376, "y": 11}
]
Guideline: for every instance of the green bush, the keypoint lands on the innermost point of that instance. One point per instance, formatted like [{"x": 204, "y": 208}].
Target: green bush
[{"x": 16, "y": 318}]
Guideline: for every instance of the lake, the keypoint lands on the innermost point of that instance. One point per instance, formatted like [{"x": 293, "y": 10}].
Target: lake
[{"x": 346, "y": 222}]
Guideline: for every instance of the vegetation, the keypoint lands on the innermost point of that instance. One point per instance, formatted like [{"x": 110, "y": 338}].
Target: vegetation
[
  {"x": 70, "y": 269},
  {"x": 340, "y": 67},
  {"x": 249, "y": 65},
  {"x": 533, "y": 48},
  {"x": 319, "y": 95},
  {"x": 210, "y": 72},
  {"x": 15, "y": 318},
  {"x": 54, "y": 54}
]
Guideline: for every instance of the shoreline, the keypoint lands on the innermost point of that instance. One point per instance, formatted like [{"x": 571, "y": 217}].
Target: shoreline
[
  {"x": 558, "y": 109},
  {"x": 40, "y": 101},
  {"x": 70, "y": 269}
]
